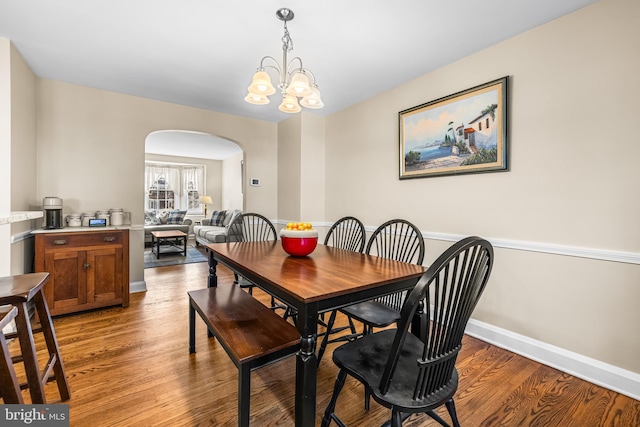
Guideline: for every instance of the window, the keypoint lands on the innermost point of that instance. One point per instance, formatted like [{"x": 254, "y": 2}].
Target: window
[
  {"x": 174, "y": 186},
  {"x": 487, "y": 123}
]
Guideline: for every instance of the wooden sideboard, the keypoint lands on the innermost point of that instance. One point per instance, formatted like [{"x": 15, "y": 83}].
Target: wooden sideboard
[{"x": 88, "y": 269}]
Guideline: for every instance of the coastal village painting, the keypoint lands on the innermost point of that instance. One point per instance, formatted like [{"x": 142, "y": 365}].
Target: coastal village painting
[{"x": 461, "y": 133}]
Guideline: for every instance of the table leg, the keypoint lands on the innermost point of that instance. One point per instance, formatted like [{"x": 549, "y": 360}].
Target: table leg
[
  {"x": 306, "y": 369},
  {"x": 192, "y": 327},
  {"x": 158, "y": 248},
  {"x": 184, "y": 250},
  {"x": 213, "y": 276}
]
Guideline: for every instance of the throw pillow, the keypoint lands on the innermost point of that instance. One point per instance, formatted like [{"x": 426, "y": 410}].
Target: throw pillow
[
  {"x": 176, "y": 217},
  {"x": 149, "y": 217},
  {"x": 161, "y": 217},
  {"x": 217, "y": 218}
]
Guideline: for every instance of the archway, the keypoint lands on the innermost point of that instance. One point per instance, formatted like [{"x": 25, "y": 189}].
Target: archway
[{"x": 181, "y": 166}]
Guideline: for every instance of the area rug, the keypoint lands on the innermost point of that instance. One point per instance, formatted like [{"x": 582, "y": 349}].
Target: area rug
[{"x": 194, "y": 254}]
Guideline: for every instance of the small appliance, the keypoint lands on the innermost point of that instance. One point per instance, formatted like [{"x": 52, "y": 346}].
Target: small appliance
[{"x": 52, "y": 212}]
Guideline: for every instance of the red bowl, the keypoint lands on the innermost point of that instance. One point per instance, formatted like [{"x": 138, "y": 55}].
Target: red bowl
[{"x": 299, "y": 246}]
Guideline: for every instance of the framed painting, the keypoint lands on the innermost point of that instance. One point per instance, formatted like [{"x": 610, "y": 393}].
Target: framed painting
[{"x": 461, "y": 133}]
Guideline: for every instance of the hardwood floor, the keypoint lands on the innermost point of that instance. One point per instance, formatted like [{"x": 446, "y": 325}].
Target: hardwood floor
[{"x": 131, "y": 367}]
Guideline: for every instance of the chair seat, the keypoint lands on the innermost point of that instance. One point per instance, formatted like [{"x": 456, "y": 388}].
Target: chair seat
[
  {"x": 365, "y": 360},
  {"x": 372, "y": 313}
]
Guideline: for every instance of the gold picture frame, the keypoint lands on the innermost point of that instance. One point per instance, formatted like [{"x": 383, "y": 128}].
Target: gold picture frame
[{"x": 461, "y": 133}]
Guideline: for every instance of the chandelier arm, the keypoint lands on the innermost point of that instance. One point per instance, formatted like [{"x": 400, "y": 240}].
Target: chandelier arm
[{"x": 275, "y": 64}]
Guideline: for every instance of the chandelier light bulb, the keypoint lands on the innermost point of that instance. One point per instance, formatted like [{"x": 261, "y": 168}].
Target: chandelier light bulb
[
  {"x": 261, "y": 84},
  {"x": 299, "y": 85},
  {"x": 253, "y": 98},
  {"x": 290, "y": 104},
  {"x": 313, "y": 100}
]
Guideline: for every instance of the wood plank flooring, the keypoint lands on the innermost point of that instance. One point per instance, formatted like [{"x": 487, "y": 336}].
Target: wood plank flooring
[{"x": 132, "y": 367}]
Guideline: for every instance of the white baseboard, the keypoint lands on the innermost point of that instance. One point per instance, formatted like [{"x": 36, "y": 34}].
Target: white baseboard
[
  {"x": 592, "y": 370},
  {"x": 140, "y": 286}
]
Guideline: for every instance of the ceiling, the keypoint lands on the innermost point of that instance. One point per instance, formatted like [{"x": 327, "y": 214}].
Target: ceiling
[{"x": 204, "y": 53}]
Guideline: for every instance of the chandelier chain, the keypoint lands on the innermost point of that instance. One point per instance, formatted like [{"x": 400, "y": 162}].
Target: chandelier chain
[{"x": 287, "y": 41}]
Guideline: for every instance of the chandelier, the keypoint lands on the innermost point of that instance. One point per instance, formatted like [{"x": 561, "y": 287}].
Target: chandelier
[{"x": 293, "y": 77}]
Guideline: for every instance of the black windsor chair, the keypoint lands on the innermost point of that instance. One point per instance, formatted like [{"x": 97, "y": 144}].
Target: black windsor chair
[
  {"x": 399, "y": 240},
  {"x": 346, "y": 233},
  {"x": 253, "y": 227},
  {"x": 401, "y": 371},
  {"x": 396, "y": 239}
]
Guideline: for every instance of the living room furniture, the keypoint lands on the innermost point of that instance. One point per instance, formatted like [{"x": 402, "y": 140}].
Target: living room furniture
[
  {"x": 9, "y": 385},
  {"x": 207, "y": 232},
  {"x": 21, "y": 291},
  {"x": 171, "y": 241},
  {"x": 251, "y": 334},
  {"x": 89, "y": 269},
  {"x": 154, "y": 223},
  {"x": 327, "y": 279},
  {"x": 404, "y": 373}
]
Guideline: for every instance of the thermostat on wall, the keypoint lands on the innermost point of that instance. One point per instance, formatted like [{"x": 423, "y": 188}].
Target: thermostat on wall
[{"x": 255, "y": 182}]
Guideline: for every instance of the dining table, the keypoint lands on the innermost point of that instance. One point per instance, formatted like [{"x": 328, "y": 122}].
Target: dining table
[{"x": 327, "y": 279}]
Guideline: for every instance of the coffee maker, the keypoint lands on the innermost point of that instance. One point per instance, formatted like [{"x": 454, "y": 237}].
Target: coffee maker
[{"x": 52, "y": 212}]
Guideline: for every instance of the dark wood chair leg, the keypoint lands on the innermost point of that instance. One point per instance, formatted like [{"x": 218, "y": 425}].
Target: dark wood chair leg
[
  {"x": 29, "y": 357},
  {"x": 451, "y": 407},
  {"x": 9, "y": 386},
  {"x": 52, "y": 345},
  {"x": 328, "y": 413}
]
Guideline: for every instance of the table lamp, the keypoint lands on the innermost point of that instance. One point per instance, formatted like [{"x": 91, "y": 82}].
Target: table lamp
[{"x": 206, "y": 200}]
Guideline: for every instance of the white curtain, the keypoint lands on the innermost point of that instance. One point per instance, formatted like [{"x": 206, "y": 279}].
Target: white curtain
[
  {"x": 192, "y": 187},
  {"x": 185, "y": 181}
]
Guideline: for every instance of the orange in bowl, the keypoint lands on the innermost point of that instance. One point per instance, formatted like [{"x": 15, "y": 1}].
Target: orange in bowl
[{"x": 298, "y": 242}]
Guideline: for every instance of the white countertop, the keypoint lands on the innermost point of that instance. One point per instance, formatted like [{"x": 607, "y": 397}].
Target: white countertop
[
  {"x": 78, "y": 229},
  {"x": 9, "y": 217}
]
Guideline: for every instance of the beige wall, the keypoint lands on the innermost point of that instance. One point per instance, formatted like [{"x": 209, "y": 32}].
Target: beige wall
[
  {"x": 574, "y": 180},
  {"x": 18, "y": 145},
  {"x": 232, "y": 180},
  {"x": 91, "y": 150},
  {"x": 289, "y": 173},
  {"x": 301, "y": 154},
  {"x": 5, "y": 158}
]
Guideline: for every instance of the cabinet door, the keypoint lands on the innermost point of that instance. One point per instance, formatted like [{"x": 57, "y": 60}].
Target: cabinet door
[
  {"x": 105, "y": 281},
  {"x": 67, "y": 282}
]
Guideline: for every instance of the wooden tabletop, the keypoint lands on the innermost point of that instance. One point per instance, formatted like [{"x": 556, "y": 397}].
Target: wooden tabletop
[
  {"x": 327, "y": 273},
  {"x": 166, "y": 234}
]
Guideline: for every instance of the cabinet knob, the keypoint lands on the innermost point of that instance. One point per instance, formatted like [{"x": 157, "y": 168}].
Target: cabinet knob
[
  {"x": 60, "y": 242},
  {"x": 86, "y": 265},
  {"x": 109, "y": 239}
]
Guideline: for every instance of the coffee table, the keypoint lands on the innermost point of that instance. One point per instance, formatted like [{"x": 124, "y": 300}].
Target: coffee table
[{"x": 169, "y": 241}]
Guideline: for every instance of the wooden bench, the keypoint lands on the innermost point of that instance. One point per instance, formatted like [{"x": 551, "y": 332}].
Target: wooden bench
[{"x": 251, "y": 334}]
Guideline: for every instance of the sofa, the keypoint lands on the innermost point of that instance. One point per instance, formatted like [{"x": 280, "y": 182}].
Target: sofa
[
  {"x": 164, "y": 221},
  {"x": 216, "y": 228}
]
